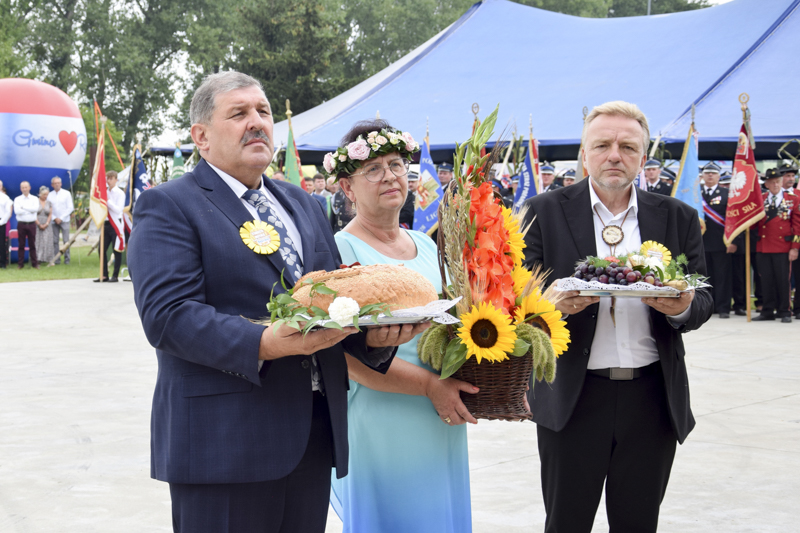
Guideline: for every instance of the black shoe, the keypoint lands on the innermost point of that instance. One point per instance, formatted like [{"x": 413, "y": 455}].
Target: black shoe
[
  {"x": 724, "y": 315},
  {"x": 762, "y": 318},
  {"x": 786, "y": 320},
  {"x": 797, "y": 316},
  {"x": 105, "y": 280},
  {"x": 740, "y": 312},
  {"x": 113, "y": 280}
]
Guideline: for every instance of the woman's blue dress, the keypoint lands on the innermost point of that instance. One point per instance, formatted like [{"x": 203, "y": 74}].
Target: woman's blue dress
[{"x": 409, "y": 471}]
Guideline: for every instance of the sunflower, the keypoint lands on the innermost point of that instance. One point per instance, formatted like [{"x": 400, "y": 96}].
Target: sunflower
[
  {"x": 520, "y": 277},
  {"x": 487, "y": 333},
  {"x": 516, "y": 242},
  {"x": 260, "y": 237},
  {"x": 657, "y": 250},
  {"x": 549, "y": 320}
]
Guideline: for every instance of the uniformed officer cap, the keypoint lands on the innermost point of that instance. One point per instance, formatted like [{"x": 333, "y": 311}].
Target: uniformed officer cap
[
  {"x": 786, "y": 168},
  {"x": 445, "y": 167},
  {"x": 412, "y": 176},
  {"x": 725, "y": 177},
  {"x": 515, "y": 178},
  {"x": 772, "y": 173},
  {"x": 711, "y": 167},
  {"x": 667, "y": 174},
  {"x": 569, "y": 174},
  {"x": 547, "y": 169},
  {"x": 652, "y": 163},
  {"x": 497, "y": 184}
]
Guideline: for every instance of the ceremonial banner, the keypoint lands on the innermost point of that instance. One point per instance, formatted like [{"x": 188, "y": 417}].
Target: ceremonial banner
[
  {"x": 641, "y": 181},
  {"x": 138, "y": 182},
  {"x": 687, "y": 184},
  {"x": 292, "y": 165},
  {"x": 177, "y": 164},
  {"x": 745, "y": 202},
  {"x": 529, "y": 184},
  {"x": 98, "y": 201},
  {"x": 429, "y": 193}
]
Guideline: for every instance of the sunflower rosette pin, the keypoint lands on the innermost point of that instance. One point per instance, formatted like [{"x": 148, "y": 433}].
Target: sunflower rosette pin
[
  {"x": 506, "y": 315},
  {"x": 260, "y": 237}
]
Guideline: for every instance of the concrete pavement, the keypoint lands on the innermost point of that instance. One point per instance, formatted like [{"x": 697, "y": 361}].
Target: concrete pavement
[{"x": 77, "y": 378}]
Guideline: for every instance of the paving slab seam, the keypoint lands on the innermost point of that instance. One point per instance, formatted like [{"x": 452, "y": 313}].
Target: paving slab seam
[{"x": 747, "y": 405}]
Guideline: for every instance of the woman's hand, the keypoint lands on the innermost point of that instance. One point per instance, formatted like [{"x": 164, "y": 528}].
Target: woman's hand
[{"x": 445, "y": 397}]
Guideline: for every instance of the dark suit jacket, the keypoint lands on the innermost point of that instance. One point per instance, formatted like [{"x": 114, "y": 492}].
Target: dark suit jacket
[
  {"x": 563, "y": 233},
  {"x": 660, "y": 188},
  {"x": 718, "y": 202},
  {"x": 216, "y": 418}
]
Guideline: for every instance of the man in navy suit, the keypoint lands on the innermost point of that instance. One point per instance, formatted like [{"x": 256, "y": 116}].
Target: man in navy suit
[{"x": 247, "y": 420}]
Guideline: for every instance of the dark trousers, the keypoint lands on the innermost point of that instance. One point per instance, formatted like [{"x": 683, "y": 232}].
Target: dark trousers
[
  {"x": 774, "y": 270},
  {"x": 718, "y": 265},
  {"x": 109, "y": 237},
  {"x": 758, "y": 292},
  {"x": 619, "y": 435},
  {"x": 297, "y": 503},
  {"x": 738, "y": 279},
  {"x": 795, "y": 267},
  {"x": 26, "y": 230},
  {"x": 3, "y": 247}
]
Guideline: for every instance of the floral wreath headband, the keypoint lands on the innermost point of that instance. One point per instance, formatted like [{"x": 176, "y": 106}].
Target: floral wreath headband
[{"x": 348, "y": 158}]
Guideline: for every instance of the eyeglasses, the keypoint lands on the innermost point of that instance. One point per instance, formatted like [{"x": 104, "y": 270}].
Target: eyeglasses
[{"x": 374, "y": 172}]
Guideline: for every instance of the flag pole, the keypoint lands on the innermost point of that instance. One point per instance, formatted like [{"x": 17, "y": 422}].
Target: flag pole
[
  {"x": 743, "y": 99},
  {"x": 101, "y": 250},
  {"x": 579, "y": 172}
]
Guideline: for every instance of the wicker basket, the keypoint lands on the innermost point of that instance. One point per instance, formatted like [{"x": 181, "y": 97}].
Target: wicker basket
[{"x": 502, "y": 388}]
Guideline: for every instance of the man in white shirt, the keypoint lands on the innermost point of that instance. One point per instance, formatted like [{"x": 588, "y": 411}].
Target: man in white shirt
[
  {"x": 26, "y": 206},
  {"x": 620, "y": 402},
  {"x": 113, "y": 232},
  {"x": 61, "y": 200},
  {"x": 6, "y": 208}
]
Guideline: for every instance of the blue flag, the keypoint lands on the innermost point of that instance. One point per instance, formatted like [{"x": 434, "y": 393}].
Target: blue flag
[
  {"x": 687, "y": 184},
  {"x": 529, "y": 177},
  {"x": 429, "y": 193},
  {"x": 138, "y": 182}
]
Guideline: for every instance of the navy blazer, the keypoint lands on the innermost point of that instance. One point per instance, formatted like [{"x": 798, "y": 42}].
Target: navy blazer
[
  {"x": 562, "y": 233},
  {"x": 216, "y": 418}
]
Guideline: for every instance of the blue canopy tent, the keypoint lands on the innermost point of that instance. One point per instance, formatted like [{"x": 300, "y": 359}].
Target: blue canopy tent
[{"x": 549, "y": 66}]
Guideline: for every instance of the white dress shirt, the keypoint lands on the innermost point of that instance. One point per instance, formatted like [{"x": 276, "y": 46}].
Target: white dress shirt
[
  {"x": 62, "y": 204},
  {"x": 774, "y": 199},
  {"x": 26, "y": 207},
  {"x": 629, "y": 343},
  {"x": 5, "y": 208},
  {"x": 239, "y": 189},
  {"x": 710, "y": 190}
]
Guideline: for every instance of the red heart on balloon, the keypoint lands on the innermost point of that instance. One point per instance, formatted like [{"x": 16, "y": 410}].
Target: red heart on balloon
[{"x": 68, "y": 140}]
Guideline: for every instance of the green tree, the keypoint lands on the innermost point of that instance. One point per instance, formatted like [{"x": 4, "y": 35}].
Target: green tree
[
  {"x": 51, "y": 40},
  {"x": 15, "y": 61},
  {"x": 383, "y": 32},
  {"x": 633, "y": 8},
  {"x": 578, "y": 8},
  {"x": 295, "y": 49}
]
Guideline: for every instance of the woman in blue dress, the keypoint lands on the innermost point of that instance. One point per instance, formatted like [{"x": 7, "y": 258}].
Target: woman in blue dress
[{"x": 409, "y": 468}]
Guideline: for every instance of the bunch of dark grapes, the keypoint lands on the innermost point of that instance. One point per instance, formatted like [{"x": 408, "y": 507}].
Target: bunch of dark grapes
[{"x": 614, "y": 274}]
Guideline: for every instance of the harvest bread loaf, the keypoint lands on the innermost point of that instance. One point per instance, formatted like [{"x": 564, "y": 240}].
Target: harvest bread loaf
[{"x": 396, "y": 285}]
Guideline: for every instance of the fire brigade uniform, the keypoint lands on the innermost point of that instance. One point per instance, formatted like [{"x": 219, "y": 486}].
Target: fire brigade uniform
[{"x": 778, "y": 232}]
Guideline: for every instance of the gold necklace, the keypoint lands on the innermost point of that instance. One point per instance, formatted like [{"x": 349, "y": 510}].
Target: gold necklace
[{"x": 612, "y": 234}]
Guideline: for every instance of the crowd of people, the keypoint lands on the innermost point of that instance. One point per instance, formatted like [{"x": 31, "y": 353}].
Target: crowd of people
[
  {"x": 259, "y": 427},
  {"x": 41, "y": 221}
]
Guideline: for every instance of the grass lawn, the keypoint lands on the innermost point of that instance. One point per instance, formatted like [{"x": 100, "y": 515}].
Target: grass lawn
[{"x": 80, "y": 266}]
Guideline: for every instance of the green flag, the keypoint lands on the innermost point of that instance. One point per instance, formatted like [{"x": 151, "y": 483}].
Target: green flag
[
  {"x": 177, "y": 164},
  {"x": 292, "y": 167}
]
